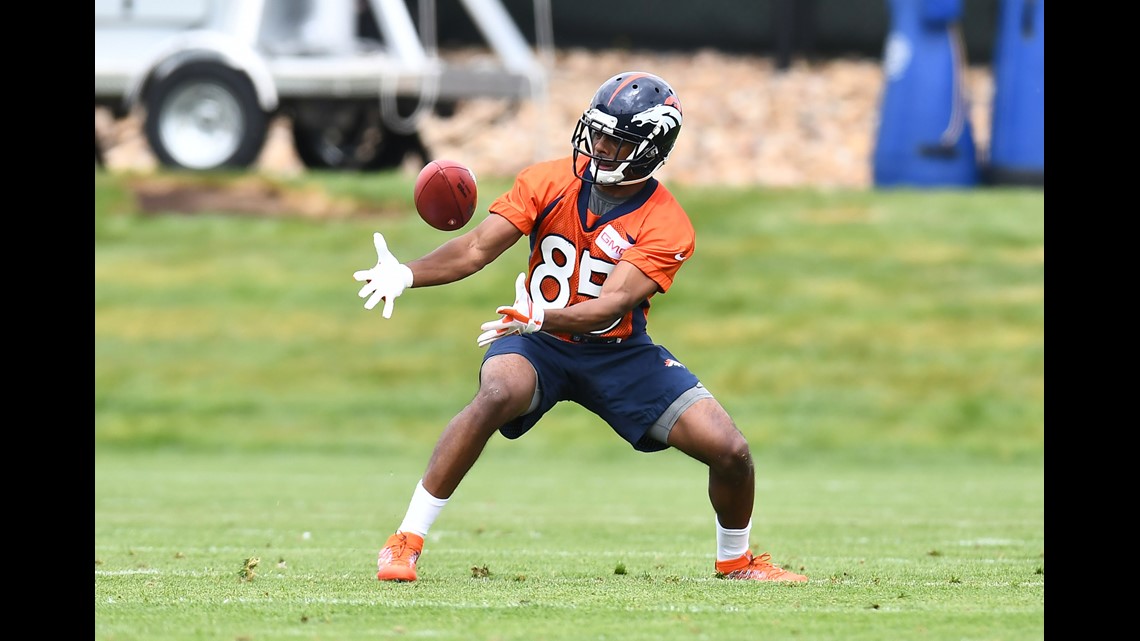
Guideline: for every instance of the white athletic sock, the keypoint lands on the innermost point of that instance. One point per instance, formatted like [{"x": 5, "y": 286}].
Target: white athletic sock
[
  {"x": 731, "y": 544},
  {"x": 422, "y": 511}
]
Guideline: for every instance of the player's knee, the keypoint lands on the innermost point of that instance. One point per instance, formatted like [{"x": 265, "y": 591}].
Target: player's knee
[
  {"x": 493, "y": 394},
  {"x": 504, "y": 398},
  {"x": 733, "y": 461},
  {"x": 507, "y": 383}
]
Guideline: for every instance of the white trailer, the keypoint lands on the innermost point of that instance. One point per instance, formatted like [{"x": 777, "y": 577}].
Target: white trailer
[{"x": 353, "y": 76}]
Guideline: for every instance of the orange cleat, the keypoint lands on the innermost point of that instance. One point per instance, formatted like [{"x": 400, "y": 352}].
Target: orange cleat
[
  {"x": 755, "y": 568},
  {"x": 397, "y": 559}
]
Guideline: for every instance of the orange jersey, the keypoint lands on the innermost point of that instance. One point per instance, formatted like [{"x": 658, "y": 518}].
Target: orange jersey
[{"x": 573, "y": 250}]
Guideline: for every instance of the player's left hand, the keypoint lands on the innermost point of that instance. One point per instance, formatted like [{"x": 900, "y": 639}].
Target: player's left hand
[{"x": 521, "y": 318}]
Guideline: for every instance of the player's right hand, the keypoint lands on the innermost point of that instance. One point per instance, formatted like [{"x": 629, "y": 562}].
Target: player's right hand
[
  {"x": 524, "y": 317},
  {"x": 387, "y": 280}
]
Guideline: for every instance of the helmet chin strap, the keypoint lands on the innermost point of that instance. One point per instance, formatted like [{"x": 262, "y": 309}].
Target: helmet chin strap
[{"x": 615, "y": 177}]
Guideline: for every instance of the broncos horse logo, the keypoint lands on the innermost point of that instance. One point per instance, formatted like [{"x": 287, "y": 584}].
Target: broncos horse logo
[{"x": 663, "y": 117}]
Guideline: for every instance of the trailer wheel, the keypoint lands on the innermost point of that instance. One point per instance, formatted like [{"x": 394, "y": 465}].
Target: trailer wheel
[
  {"x": 350, "y": 137},
  {"x": 205, "y": 115}
]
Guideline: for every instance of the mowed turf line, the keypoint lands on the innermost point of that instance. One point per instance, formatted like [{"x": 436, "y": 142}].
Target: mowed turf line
[
  {"x": 576, "y": 546},
  {"x": 883, "y": 352}
]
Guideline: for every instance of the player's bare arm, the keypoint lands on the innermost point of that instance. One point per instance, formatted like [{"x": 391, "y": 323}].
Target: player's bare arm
[
  {"x": 625, "y": 288},
  {"x": 466, "y": 254}
]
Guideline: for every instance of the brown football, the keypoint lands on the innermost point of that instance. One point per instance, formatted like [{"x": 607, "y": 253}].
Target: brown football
[{"x": 446, "y": 194}]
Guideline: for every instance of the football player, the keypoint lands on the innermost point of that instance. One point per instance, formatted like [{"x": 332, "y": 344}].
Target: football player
[{"x": 605, "y": 236}]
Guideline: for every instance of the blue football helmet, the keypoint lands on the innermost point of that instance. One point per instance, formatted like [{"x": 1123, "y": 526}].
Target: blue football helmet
[{"x": 642, "y": 112}]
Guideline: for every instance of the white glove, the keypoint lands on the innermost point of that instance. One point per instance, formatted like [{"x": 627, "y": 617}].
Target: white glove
[
  {"x": 521, "y": 318},
  {"x": 387, "y": 280}
]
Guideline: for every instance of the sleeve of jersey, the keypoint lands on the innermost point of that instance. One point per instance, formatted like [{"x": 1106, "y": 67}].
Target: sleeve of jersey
[
  {"x": 665, "y": 243},
  {"x": 519, "y": 204}
]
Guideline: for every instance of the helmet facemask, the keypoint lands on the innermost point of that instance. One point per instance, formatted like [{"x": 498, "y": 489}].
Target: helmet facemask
[{"x": 636, "y": 156}]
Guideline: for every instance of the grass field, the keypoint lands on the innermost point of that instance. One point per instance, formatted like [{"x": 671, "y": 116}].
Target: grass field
[{"x": 883, "y": 352}]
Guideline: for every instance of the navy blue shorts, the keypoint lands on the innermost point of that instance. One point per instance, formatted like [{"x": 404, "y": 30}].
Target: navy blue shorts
[{"x": 628, "y": 384}]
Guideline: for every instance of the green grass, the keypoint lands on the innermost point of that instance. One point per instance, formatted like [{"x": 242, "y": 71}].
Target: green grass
[
  {"x": 882, "y": 351},
  {"x": 574, "y": 546}
]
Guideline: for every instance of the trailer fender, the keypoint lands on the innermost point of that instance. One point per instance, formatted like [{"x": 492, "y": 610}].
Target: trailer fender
[{"x": 199, "y": 45}]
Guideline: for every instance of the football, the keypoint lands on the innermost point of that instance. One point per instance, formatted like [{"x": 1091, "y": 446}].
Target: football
[{"x": 446, "y": 194}]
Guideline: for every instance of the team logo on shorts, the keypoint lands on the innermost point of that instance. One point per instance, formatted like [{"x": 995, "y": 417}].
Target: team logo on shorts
[{"x": 672, "y": 363}]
